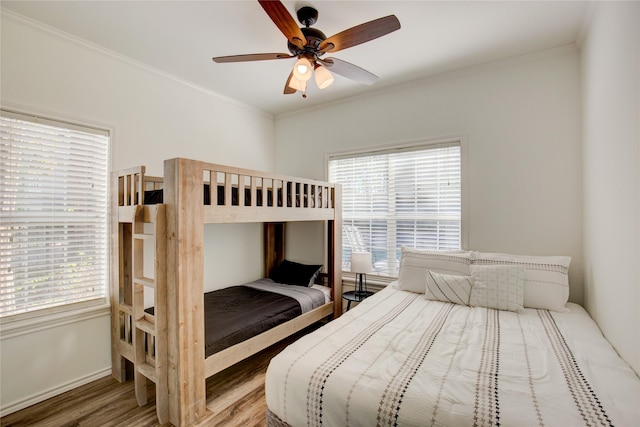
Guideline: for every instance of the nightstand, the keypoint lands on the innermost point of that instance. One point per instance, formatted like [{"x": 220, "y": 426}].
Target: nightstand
[{"x": 355, "y": 296}]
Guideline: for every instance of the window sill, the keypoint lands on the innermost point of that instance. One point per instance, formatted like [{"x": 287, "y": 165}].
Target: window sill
[
  {"x": 375, "y": 282},
  {"x": 12, "y": 328}
]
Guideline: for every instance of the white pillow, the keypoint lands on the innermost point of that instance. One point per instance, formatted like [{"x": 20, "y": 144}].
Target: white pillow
[
  {"x": 448, "y": 288},
  {"x": 546, "y": 278},
  {"x": 498, "y": 286},
  {"x": 414, "y": 264}
]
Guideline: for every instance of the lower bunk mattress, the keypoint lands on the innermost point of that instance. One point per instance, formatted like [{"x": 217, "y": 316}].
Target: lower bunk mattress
[
  {"x": 237, "y": 313},
  {"x": 398, "y": 359}
]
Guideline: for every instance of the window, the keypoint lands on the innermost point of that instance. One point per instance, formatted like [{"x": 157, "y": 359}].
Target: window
[
  {"x": 407, "y": 196},
  {"x": 53, "y": 214}
]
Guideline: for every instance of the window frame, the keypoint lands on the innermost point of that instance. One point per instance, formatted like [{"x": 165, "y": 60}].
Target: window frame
[
  {"x": 51, "y": 317},
  {"x": 411, "y": 145}
]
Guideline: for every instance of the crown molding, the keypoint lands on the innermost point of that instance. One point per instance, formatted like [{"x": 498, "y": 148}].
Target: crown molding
[
  {"x": 123, "y": 58},
  {"x": 460, "y": 72},
  {"x": 585, "y": 24}
]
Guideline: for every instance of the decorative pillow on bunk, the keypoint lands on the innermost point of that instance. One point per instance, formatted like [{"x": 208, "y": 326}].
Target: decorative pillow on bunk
[
  {"x": 448, "y": 288},
  {"x": 546, "y": 278},
  {"x": 293, "y": 273},
  {"x": 498, "y": 286},
  {"x": 415, "y": 263}
]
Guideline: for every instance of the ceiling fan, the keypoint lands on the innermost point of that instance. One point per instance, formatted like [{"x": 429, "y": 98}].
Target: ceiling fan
[{"x": 310, "y": 44}]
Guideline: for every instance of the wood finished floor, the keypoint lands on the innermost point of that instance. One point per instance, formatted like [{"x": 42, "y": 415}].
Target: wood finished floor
[{"x": 235, "y": 396}]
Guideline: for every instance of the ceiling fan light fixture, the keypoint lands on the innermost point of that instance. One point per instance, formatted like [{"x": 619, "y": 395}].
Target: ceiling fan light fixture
[
  {"x": 323, "y": 77},
  {"x": 302, "y": 70},
  {"x": 296, "y": 84},
  {"x": 308, "y": 44}
]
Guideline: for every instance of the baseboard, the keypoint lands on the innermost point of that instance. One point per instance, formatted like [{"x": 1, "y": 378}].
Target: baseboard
[{"x": 52, "y": 392}]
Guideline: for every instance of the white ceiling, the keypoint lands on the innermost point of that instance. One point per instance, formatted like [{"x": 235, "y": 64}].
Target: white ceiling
[{"x": 181, "y": 37}]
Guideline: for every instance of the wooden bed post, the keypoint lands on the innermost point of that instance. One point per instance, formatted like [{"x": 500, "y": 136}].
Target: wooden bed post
[
  {"x": 183, "y": 195},
  {"x": 273, "y": 245},
  {"x": 334, "y": 230},
  {"x": 118, "y": 365}
]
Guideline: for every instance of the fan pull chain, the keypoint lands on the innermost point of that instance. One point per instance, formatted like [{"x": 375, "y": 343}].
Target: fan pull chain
[{"x": 303, "y": 89}]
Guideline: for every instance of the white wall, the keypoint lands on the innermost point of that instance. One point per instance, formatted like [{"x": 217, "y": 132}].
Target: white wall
[
  {"x": 153, "y": 117},
  {"x": 611, "y": 133},
  {"x": 523, "y": 161}
]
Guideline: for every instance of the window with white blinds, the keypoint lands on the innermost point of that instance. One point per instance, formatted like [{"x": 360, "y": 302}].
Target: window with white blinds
[
  {"x": 53, "y": 214},
  {"x": 400, "y": 197}
]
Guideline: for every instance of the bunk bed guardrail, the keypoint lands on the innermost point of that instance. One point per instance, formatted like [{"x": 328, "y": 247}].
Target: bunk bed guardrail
[{"x": 232, "y": 187}]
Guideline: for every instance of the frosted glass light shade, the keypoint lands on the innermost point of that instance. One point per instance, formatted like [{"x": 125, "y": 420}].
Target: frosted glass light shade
[
  {"x": 324, "y": 78},
  {"x": 302, "y": 70},
  {"x": 361, "y": 262},
  {"x": 297, "y": 84}
]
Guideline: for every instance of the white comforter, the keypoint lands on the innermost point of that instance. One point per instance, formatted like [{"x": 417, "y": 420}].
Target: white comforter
[{"x": 398, "y": 359}]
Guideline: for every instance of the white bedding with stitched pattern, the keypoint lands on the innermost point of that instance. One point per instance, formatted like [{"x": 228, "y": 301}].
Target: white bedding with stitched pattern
[{"x": 399, "y": 359}]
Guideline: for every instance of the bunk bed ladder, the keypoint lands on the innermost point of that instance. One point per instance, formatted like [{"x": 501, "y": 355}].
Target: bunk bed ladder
[{"x": 150, "y": 329}]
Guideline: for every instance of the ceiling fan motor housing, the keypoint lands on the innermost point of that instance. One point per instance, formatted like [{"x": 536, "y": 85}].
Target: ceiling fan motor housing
[
  {"x": 314, "y": 38},
  {"x": 308, "y": 16}
]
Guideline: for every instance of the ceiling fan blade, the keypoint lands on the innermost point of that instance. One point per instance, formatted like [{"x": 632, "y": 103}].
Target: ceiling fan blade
[
  {"x": 252, "y": 57},
  {"x": 360, "y": 34},
  {"x": 349, "y": 70},
  {"x": 287, "y": 89},
  {"x": 284, "y": 21}
]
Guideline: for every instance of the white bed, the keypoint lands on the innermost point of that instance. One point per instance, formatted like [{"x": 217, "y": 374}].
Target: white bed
[{"x": 400, "y": 359}]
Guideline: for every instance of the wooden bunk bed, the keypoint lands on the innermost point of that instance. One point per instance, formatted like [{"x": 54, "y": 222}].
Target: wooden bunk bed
[{"x": 167, "y": 347}]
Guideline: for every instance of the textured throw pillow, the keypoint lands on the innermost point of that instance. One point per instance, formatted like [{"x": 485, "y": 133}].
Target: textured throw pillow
[
  {"x": 293, "y": 273},
  {"x": 415, "y": 263},
  {"x": 546, "y": 278},
  {"x": 497, "y": 286},
  {"x": 448, "y": 288}
]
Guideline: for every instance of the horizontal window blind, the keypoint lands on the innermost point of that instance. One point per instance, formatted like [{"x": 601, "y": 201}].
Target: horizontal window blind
[
  {"x": 409, "y": 197},
  {"x": 53, "y": 215}
]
